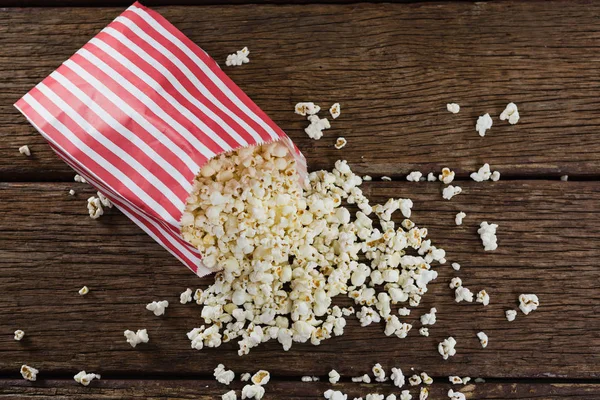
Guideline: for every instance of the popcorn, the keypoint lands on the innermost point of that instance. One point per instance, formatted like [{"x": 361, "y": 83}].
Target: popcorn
[
  {"x": 261, "y": 377},
  {"x": 483, "y": 339},
  {"x": 495, "y": 176},
  {"x": 84, "y": 378},
  {"x": 362, "y": 379},
  {"x": 429, "y": 318},
  {"x": 414, "y": 176},
  {"x": 238, "y": 58},
  {"x": 229, "y": 395},
  {"x": 94, "y": 206},
  {"x": 367, "y": 315},
  {"x": 79, "y": 178},
  {"x": 456, "y": 395},
  {"x": 25, "y": 150},
  {"x": 405, "y": 395},
  {"x": 483, "y": 124},
  {"x": 426, "y": 378},
  {"x": 453, "y": 108},
  {"x": 253, "y": 392},
  {"x": 104, "y": 200},
  {"x": 414, "y": 380},
  {"x": 334, "y": 376},
  {"x": 463, "y": 294},
  {"x": 403, "y": 312},
  {"x": 447, "y": 348},
  {"x": 564, "y": 178},
  {"x": 423, "y": 394},
  {"x": 431, "y": 177},
  {"x": 19, "y": 334},
  {"x": 71, "y": 192},
  {"x": 340, "y": 143},
  {"x": 483, "y": 297},
  {"x": 456, "y": 266},
  {"x": 334, "y": 395},
  {"x": 335, "y": 110},
  {"x": 487, "y": 233},
  {"x": 528, "y": 303},
  {"x": 397, "y": 377},
  {"x": 245, "y": 377},
  {"x": 224, "y": 376},
  {"x": 310, "y": 379},
  {"x": 374, "y": 396},
  {"x": 459, "y": 218},
  {"x": 186, "y": 297},
  {"x": 157, "y": 307},
  {"x": 455, "y": 282},
  {"x": 379, "y": 373},
  {"x": 511, "y": 315},
  {"x": 455, "y": 380},
  {"x": 307, "y": 108},
  {"x": 451, "y": 191},
  {"x": 135, "y": 338},
  {"x": 390, "y": 397},
  {"x": 316, "y": 127},
  {"x": 84, "y": 290},
  {"x": 483, "y": 174},
  {"x": 29, "y": 373},
  {"x": 447, "y": 175},
  {"x": 367, "y": 178},
  {"x": 511, "y": 113},
  {"x": 386, "y": 178},
  {"x": 424, "y": 331}
]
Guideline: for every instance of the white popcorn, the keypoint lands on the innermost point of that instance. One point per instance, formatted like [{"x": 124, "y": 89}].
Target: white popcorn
[
  {"x": 104, "y": 200},
  {"x": 316, "y": 127},
  {"x": 367, "y": 315},
  {"x": 424, "y": 331},
  {"x": 511, "y": 315},
  {"x": 447, "y": 348},
  {"x": 374, "y": 396},
  {"x": 483, "y": 124},
  {"x": 79, "y": 178},
  {"x": 429, "y": 318},
  {"x": 386, "y": 178},
  {"x": 310, "y": 379},
  {"x": 19, "y": 334},
  {"x": 367, "y": 178},
  {"x": 564, "y": 178},
  {"x": 455, "y": 282},
  {"x": 245, "y": 377},
  {"x": 453, "y": 108},
  {"x": 459, "y": 218},
  {"x": 528, "y": 303},
  {"x": 450, "y": 191},
  {"x": 455, "y": 380},
  {"x": 222, "y": 375},
  {"x": 253, "y": 392},
  {"x": 397, "y": 377},
  {"x": 362, "y": 379},
  {"x": 431, "y": 177},
  {"x": 186, "y": 297},
  {"x": 379, "y": 373},
  {"x": 334, "y": 376},
  {"x": 463, "y": 294},
  {"x": 403, "y": 311},
  {"x": 456, "y": 395},
  {"x": 238, "y": 58},
  {"x": 483, "y": 174},
  {"x": 426, "y": 378},
  {"x": 229, "y": 395},
  {"x": 261, "y": 378},
  {"x": 511, "y": 113},
  {"x": 483, "y": 339},
  {"x": 25, "y": 150},
  {"x": 456, "y": 266},
  {"x": 389, "y": 397},
  {"x": 94, "y": 206},
  {"x": 483, "y": 297},
  {"x": 71, "y": 192},
  {"x": 307, "y": 108},
  {"x": 29, "y": 373},
  {"x": 135, "y": 338},
  {"x": 423, "y": 393},
  {"x": 331, "y": 394},
  {"x": 447, "y": 175},
  {"x": 335, "y": 110},
  {"x": 340, "y": 143},
  {"x": 84, "y": 378},
  {"x": 157, "y": 307},
  {"x": 495, "y": 176},
  {"x": 84, "y": 290},
  {"x": 487, "y": 233},
  {"x": 414, "y": 176},
  {"x": 405, "y": 395},
  {"x": 414, "y": 380}
]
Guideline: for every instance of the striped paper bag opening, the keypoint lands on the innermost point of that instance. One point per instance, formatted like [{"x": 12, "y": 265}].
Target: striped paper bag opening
[{"x": 137, "y": 111}]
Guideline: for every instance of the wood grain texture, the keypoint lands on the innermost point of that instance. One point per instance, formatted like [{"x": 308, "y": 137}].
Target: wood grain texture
[
  {"x": 548, "y": 238},
  {"x": 209, "y": 389},
  {"x": 393, "y": 67}
]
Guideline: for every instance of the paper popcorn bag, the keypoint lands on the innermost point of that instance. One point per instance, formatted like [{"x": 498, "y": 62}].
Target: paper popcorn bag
[{"x": 137, "y": 111}]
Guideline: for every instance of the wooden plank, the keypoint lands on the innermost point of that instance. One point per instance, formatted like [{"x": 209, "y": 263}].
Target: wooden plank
[
  {"x": 209, "y": 389},
  {"x": 548, "y": 239},
  {"x": 393, "y": 67}
]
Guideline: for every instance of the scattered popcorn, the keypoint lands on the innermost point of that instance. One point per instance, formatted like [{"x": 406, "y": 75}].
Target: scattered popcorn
[
  {"x": 483, "y": 124},
  {"x": 71, "y": 192},
  {"x": 403, "y": 311},
  {"x": 429, "y": 318},
  {"x": 253, "y": 392},
  {"x": 340, "y": 143},
  {"x": 456, "y": 266},
  {"x": 379, "y": 373},
  {"x": 483, "y": 339},
  {"x": 84, "y": 290},
  {"x": 186, "y": 297},
  {"x": 414, "y": 176},
  {"x": 447, "y": 348},
  {"x": 316, "y": 127},
  {"x": 455, "y": 380},
  {"x": 466, "y": 380},
  {"x": 397, "y": 377},
  {"x": 564, "y": 178},
  {"x": 25, "y": 150},
  {"x": 104, "y": 200},
  {"x": 261, "y": 378},
  {"x": 334, "y": 395},
  {"x": 451, "y": 191},
  {"x": 459, "y": 218},
  {"x": 528, "y": 303},
  {"x": 447, "y": 175},
  {"x": 511, "y": 315},
  {"x": 310, "y": 379},
  {"x": 462, "y": 293},
  {"x": 424, "y": 331},
  {"x": 483, "y": 297},
  {"x": 229, "y": 395},
  {"x": 389, "y": 397},
  {"x": 455, "y": 282},
  {"x": 414, "y": 380},
  {"x": 405, "y": 395},
  {"x": 453, "y": 108},
  {"x": 157, "y": 307},
  {"x": 431, "y": 177},
  {"x": 222, "y": 375},
  {"x": 334, "y": 376},
  {"x": 374, "y": 396},
  {"x": 362, "y": 379},
  {"x": 487, "y": 233},
  {"x": 135, "y": 338},
  {"x": 495, "y": 176},
  {"x": 307, "y": 108},
  {"x": 423, "y": 394},
  {"x": 29, "y": 373},
  {"x": 426, "y": 378},
  {"x": 456, "y": 395},
  {"x": 84, "y": 378},
  {"x": 511, "y": 113},
  {"x": 245, "y": 377},
  {"x": 238, "y": 58},
  {"x": 79, "y": 178},
  {"x": 94, "y": 206},
  {"x": 386, "y": 178},
  {"x": 335, "y": 110},
  {"x": 367, "y": 178},
  {"x": 19, "y": 334}
]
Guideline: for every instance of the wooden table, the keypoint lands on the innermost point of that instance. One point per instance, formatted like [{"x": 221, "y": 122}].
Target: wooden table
[{"x": 393, "y": 67}]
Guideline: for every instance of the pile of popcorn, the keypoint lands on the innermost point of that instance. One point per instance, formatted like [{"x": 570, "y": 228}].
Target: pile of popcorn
[{"x": 286, "y": 251}]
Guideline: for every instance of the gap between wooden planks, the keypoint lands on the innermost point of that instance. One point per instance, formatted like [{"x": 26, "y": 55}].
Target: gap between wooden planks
[{"x": 393, "y": 67}]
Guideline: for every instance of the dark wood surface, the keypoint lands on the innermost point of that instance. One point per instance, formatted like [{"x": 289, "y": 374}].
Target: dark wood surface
[{"x": 393, "y": 67}]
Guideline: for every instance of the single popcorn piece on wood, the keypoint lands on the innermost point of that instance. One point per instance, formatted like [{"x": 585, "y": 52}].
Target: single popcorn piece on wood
[
  {"x": 483, "y": 174},
  {"x": 386, "y": 178},
  {"x": 462, "y": 293},
  {"x": 25, "y": 150},
  {"x": 453, "y": 108},
  {"x": 397, "y": 377},
  {"x": 483, "y": 339},
  {"x": 423, "y": 393},
  {"x": 426, "y": 378},
  {"x": 405, "y": 395},
  {"x": 229, "y": 395},
  {"x": 308, "y": 378},
  {"x": 374, "y": 396},
  {"x": 29, "y": 373},
  {"x": 94, "y": 206},
  {"x": 334, "y": 376},
  {"x": 261, "y": 378},
  {"x": 186, "y": 297},
  {"x": 424, "y": 331},
  {"x": 429, "y": 318},
  {"x": 71, "y": 192},
  {"x": 414, "y": 380},
  {"x": 84, "y": 290},
  {"x": 447, "y": 175},
  {"x": 528, "y": 303},
  {"x": 379, "y": 373},
  {"x": 79, "y": 178},
  {"x": 367, "y": 178},
  {"x": 245, "y": 377},
  {"x": 253, "y": 392},
  {"x": 19, "y": 334},
  {"x": 510, "y": 113},
  {"x": 456, "y": 395},
  {"x": 483, "y": 297},
  {"x": 135, "y": 338},
  {"x": 511, "y": 315},
  {"x": 450, "y": 191},
  {"x": 564, "y": 178},
  {"x": 455, "y": 380},
  {"x": 483, "y": 124},
  {"x": 340, "y": 143},
  {"x": 223, "y": 375},
  {"x": 487, "y": 233},
  {"x": 495, "y": 176},
  {"x": 331, "y": 394},
  {"x": 414, "y": 176},
  {"x": 389, "y": 397},
  {"x": 362, "y": 379},
  {"x": 335, "y": 110},
  {"x": 447, "y": 348},
  {"x": 456, "y": 266},
  {"x": 84, "y": 378},
  {"x": 158, "y": 307},
  {"x": 431, "y": 177},
  {"x": 307, "y": 108},
  {"x": 316, "y": 127},
  {"x": 458, "y": 219},
  {"x": 238, "y": 58}
]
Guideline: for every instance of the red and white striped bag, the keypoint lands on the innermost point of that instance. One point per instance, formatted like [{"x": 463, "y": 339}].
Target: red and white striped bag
[{"x": 137, "y": 111}]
